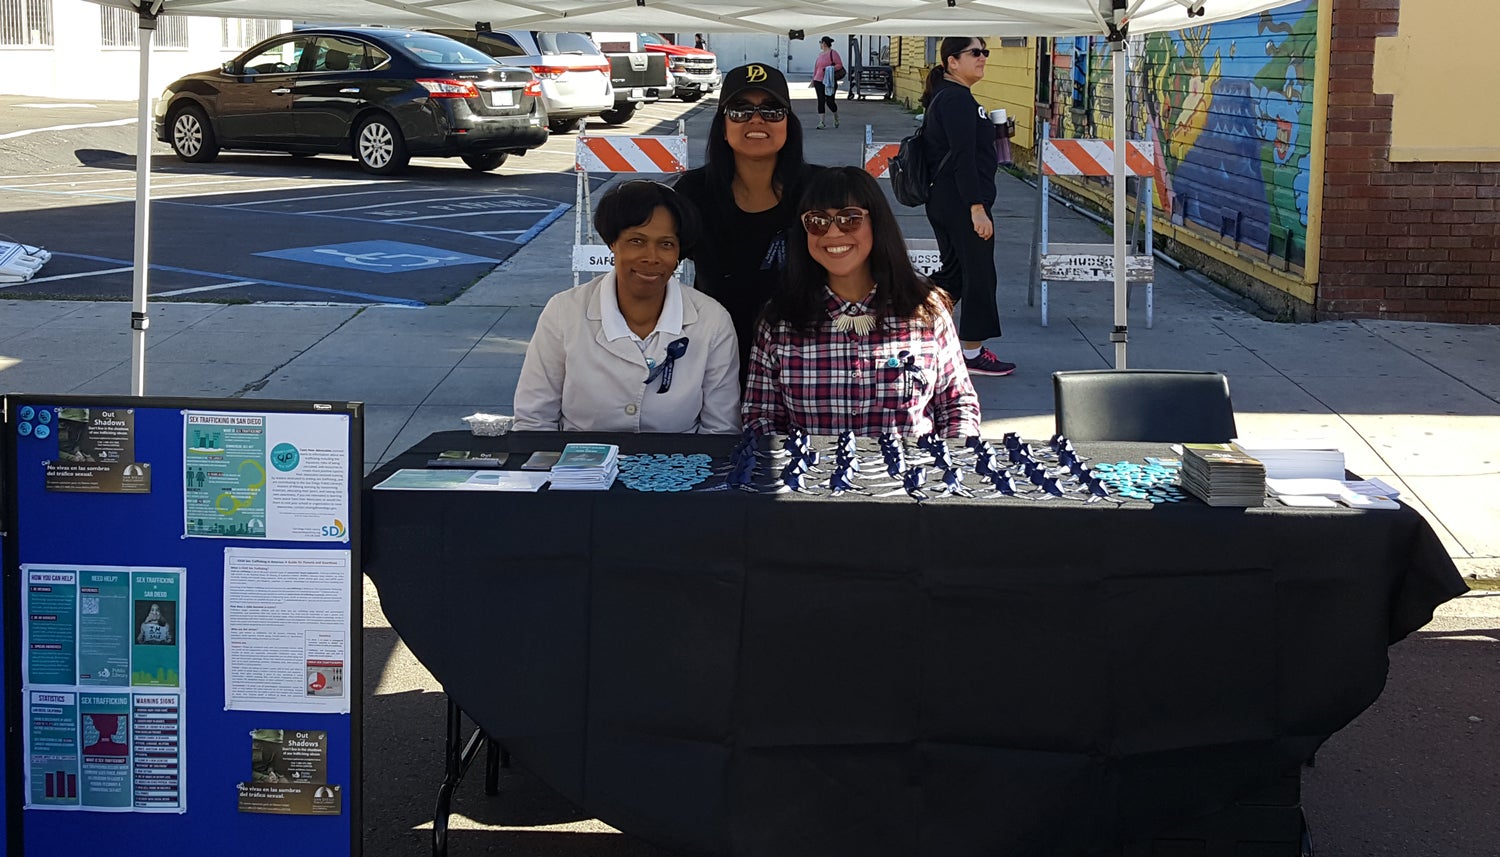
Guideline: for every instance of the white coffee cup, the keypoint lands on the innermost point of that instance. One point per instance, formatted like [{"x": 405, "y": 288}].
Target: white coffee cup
[{"x": 998, "y": 116}]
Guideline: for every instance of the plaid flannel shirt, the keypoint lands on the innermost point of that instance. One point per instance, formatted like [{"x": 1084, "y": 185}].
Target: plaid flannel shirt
[{"x": 829, "y": 381}]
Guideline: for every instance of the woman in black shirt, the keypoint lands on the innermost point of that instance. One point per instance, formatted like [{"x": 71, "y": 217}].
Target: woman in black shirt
[
  {"x": 747, "y": 191},
  {"x": 963, "y": 194}
]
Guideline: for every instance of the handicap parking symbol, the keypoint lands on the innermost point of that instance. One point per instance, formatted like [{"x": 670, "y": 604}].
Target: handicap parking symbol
[{"x": 379, "y": 257}]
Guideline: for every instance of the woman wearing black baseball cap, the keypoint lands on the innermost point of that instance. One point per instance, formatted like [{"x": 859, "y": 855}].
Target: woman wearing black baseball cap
[{"x": 747, "y": 190}]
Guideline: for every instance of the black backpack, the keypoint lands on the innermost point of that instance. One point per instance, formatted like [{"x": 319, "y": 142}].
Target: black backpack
[{"x": 910, "y": 181}]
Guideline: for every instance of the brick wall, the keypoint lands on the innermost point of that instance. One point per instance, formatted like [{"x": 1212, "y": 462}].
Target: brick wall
[{"x": 1411, "y": 241}]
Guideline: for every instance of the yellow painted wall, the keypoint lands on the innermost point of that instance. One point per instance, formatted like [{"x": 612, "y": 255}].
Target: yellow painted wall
[{"x": 1442, "y": 68}]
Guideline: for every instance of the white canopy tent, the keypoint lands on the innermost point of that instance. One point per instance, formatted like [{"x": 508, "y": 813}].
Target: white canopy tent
[{"x": 989, "y": 18}]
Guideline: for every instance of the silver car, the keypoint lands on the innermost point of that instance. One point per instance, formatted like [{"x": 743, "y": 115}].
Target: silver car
[{"x": 573, "y": 73}]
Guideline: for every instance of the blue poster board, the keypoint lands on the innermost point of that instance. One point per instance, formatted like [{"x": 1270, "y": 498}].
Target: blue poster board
[
  {"x": 8, "y": 819},
  {"x": 143, "y": 511}
]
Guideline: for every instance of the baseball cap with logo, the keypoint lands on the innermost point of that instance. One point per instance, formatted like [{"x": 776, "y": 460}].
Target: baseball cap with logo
[{"x": 754, "y": 76}]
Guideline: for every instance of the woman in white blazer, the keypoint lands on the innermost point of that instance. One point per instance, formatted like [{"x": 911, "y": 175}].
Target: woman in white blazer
[{"x": 634, "y": 350}]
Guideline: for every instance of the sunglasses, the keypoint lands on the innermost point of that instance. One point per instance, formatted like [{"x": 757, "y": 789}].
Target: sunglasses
[
  {"x": 848, "y": 219},
  {"x": 746, "y": 112},
  {"x": 976, "y": 53}
]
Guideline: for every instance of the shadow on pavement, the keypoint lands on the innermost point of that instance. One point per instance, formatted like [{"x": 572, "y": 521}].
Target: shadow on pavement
[
  {"x": 403, "y": 757},
  {"x": 1416, "y": 774}
]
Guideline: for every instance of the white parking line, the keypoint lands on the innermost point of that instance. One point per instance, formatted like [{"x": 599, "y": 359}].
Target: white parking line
[
  {"x": 176, "y": 185},
  {"x": 76, "y": 276},
  {"x": 112, "y": 179},
  {"x": 37, "y": 175},
  {"x": 321, "y": 196},
  {"x": 128, "y": 178},
  {"x": 159, "y": 191},
  {"x": 128, "y": 181},
  {"x": 448, "y": 199},
  {"x": 213, "y": 288},
  {"x": 14, "y": 134},
  {"x": 467, "y": 214}
]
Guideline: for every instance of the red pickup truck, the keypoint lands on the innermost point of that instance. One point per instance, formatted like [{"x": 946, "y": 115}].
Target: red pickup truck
[{"x": 695, "y": 72}]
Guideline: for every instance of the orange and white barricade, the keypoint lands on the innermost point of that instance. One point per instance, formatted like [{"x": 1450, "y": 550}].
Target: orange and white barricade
[
  {"x": 877, "y": 155},
  {"x": 1087, "y": 263},
  {"x": 923, "y": 252},
  {"x": 611, "y": 155}
]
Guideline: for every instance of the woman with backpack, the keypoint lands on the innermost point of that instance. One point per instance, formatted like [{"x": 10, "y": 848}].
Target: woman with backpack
[
  {"x": 828, "y": 70},
  {"x": 960, "y": 157}
]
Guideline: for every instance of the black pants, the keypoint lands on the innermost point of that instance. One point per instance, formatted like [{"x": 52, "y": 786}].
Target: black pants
[
  {"x": 830, "y": 97},
  {"x": 968, "y": 272}
]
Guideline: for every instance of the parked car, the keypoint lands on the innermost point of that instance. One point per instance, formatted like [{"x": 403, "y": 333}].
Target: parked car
[
  {"x": 695, "y": 72},
  {"x": 574, "y": 74},
  {"x": 639, "y": 76},
  {"x": 382, "y": 95}
]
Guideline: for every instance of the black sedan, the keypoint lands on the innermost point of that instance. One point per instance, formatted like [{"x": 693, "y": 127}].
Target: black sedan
[{"x": 383, "y": 95}]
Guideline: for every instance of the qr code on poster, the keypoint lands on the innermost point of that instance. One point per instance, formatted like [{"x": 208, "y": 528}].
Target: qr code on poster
[{"x": 88, "y": 605}]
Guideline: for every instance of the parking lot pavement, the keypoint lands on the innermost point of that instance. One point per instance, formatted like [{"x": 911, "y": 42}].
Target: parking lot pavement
[
  {"x": 252, "y": 230},
  {"x": 270, "y": 228}
]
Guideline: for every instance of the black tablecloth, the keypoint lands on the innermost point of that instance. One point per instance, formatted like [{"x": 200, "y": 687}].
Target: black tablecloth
[{"x": 783, "y": 675}]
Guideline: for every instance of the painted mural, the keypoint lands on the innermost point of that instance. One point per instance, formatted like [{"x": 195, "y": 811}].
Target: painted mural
[{"x": 1231, "y": 104}]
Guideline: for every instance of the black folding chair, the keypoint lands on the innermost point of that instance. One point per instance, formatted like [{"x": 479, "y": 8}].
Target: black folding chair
[{"x": 1160, "y": 405}]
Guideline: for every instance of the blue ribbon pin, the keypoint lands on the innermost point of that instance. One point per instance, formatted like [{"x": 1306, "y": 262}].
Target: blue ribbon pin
[
  {"x": 775, "y": 258},
  {"x": 676, "y": 349},
  {"x": 912, "y": 373}
]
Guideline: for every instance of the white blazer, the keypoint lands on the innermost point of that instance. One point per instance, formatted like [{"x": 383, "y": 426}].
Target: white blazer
[{"x": 576, "y": 379}]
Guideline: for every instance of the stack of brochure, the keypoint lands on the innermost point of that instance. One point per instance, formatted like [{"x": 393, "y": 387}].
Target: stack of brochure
[
  {"x": 586, "y": 467},
  {"x": 1223, "y": 474},
  {"x": 1299, "y": 463}
]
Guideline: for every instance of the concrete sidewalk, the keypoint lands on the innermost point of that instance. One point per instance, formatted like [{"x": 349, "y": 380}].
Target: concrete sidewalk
[{"x": 1415, "y": 404}]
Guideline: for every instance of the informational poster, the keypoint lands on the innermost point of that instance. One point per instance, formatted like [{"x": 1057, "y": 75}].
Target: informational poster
[
  {"x": 102, "y": 651},
  {"x": 286, "y": 630},
  {"x": 156, "y": 600},
  {"x": 156, "y": 750},
  {"x": 266, "y": 475},
  {"x": 52, "y": 749},
  {"x": 289, "y": 774},
  {"x": 104, "y": 628},
  {"x": 50, "y": 633},
  {"x": 104, "y": 779},
  {"x": 96, "y": 452}
]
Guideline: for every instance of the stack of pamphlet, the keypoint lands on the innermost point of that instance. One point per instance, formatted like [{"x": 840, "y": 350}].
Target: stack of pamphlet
[
  {"x": 586, "y": 467},
  {"x": 1299, "y": 463},
  {"x": 1223, "y": 474}
]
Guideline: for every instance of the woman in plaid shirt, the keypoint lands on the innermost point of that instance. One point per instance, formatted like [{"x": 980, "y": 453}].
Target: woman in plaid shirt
[{"x": 856, "y": 340}]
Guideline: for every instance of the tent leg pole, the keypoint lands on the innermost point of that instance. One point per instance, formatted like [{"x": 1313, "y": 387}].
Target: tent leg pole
[
  {"x": 140, "y": 279},
  {"x": 1119, "y": 335}
]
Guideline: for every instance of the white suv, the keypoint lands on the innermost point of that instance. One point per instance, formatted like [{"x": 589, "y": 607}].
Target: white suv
[{"x": 573, "y": 73}]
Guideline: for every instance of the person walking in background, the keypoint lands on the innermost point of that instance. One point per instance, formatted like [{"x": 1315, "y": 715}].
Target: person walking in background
[
  {"x": 854, "y": 339},
  {"x": 828, "y": 70},
  {"x": 747, "y": 191},
  {"x": 698, "y": 41},
  {"x": 961, "y": 160}
]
